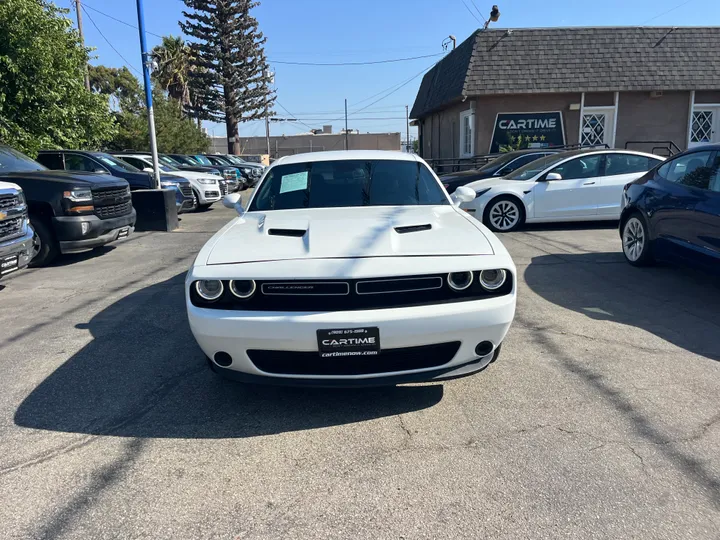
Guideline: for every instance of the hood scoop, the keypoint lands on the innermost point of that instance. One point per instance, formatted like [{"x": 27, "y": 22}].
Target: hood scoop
[
  {"x": 294, "y": 233},
  {"x": 413, "y": 228}
]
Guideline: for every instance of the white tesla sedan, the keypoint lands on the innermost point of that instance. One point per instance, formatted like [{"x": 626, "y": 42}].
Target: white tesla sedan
[
  {"x": 351, "y": 268},
  {"x": 581, "y": 185}
]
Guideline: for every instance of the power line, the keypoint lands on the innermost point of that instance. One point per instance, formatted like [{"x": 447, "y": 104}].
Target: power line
[
  {"x": 471, "y": 12},
  {"x": 668, "y": 11},
  {"x": 472, "y": 3},
  {"x": 85, "y": 6},
  {"x": 291, "y": 114},
  {"x": 372, "y": 62},
  {"x": 128, "y": 64}
]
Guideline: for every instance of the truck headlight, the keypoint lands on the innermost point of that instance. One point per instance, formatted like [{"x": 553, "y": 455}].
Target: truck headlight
[
  {"x": 78, "y": 195},
  {"x": 21, "y": 197},
  {"x": 169, "y": 184}
]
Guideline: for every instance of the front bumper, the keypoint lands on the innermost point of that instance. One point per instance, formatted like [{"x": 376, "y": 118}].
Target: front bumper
[
  {"x": 236, "y": 332},
  {"x": 100, "y": 232},
  {"x": 20, "y": 247},
  {"x": 209, "y": 195}
]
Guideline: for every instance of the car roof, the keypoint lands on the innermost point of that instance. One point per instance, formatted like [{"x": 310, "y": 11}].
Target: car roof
[
  {"x": 346, "y": 155},
  {"x": 585, "y": 151},
  {"x": 704, "y": 147}
]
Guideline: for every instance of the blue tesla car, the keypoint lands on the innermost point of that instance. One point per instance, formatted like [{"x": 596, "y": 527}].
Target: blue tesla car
[{"x": 672, "y": 213}]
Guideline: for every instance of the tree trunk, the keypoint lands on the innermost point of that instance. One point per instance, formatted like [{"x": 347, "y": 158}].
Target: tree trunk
[{"x": 231, "y": 124}]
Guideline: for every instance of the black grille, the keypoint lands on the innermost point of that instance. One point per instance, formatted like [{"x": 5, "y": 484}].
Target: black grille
[
  {"x": 212, "y": 194},
  {"x": 9, "y": 201},
  {"x": 380, "y": 293},
  {"x": 113, "y": 210},
  {"x": 110, "y": 195},
  {"x": 387, "y": 361},
  {"x": 186, "y": 190},
  {"x": 11, "y": 227}
]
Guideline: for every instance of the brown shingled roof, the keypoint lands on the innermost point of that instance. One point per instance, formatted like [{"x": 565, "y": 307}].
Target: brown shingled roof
[{"x": 548, "y": 60}]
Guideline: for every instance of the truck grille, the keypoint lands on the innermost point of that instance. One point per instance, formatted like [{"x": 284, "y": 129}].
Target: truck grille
[
  {"x": 10, "y": 228},
  {"x": 186, "y": 190},
  {"x": 113, "y": 210},
  {"x": 110, "y": 195},
  {"x": 9, "y": 201}
]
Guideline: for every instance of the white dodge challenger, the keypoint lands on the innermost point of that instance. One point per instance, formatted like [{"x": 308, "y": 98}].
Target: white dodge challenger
[{"x": 351, "y": 268}]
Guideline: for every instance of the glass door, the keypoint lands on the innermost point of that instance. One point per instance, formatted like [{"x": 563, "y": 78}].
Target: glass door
[{"x": 704, "y": 127}]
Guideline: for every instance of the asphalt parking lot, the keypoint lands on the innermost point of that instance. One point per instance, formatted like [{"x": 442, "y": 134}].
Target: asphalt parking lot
[{"x": 601, "y": 419}]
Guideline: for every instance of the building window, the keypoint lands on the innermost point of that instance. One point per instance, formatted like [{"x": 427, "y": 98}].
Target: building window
[{"x": 467, "y": 134}]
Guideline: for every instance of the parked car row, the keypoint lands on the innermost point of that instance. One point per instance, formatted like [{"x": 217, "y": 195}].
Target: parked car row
[
  {"x": 667, "y": 209},
  {"x": 72, "y": 200}
]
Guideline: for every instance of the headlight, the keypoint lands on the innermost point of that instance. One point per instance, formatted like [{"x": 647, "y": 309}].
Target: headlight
[
  {"x": 78, "y": 195},
  {"x": 242, "y": 288},
  {"x": 127, "y": 190},
  {"x": 165, "y": 183},
  {"x": 207, "y": 180},
  {"x": 492, "y": 279},
  {"x": 209, "y": 289},
  {"x": 21, "y": 197},
  {"x": 481, "y": 192},
  {"x": 459, "y": 281}
]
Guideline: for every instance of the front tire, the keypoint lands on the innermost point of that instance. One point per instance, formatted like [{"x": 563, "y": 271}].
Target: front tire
[
  {"x": 196, "y": 201},
  {"x": 504, "y": 214},
  {"x": 45, "y": 246},
  {"x": 636, "y": 241}
]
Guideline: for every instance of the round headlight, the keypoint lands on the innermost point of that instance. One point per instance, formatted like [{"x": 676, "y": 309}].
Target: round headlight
[
  {"x": 459, "y": 281},
  {"x": 209, "y": 289},
  {"x": 242, "y": 288},
  {"x": 492, "y": 279}
]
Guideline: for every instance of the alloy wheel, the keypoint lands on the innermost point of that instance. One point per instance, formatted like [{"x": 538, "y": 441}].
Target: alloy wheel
[
  {"x": 504, "y": 215},
  {"x": 36, "y": 244},
  {"x": 633, "y": 239}
]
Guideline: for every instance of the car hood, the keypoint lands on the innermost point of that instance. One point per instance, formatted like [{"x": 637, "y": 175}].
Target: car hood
[
  {"x": 469, "y": 175},
  {"x": 192, "y": 175},
  {"x": 384, "y": 231},
  {"x": 74, "y": 177}
]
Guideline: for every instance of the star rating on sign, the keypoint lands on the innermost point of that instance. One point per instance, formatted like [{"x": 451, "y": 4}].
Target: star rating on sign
[
  {"x": 535, "y": 137},
  {"x": 542, "y": 137}
]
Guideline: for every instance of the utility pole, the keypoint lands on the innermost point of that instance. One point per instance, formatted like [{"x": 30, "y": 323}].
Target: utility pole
[
  {"x": 407, "y": 127},
  {"x": 78, "y": 7},
  {"x": 146, "y": 61},
  {"x": 267, "y": 122},
  {"x": 346, "y": 133}
]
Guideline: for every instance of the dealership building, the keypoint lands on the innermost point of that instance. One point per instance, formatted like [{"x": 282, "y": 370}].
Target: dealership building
[{"x": 535, "y": 87}]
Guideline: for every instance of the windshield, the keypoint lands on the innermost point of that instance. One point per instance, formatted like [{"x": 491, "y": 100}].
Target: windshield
[
  {"x": 107, "y": 159},
  {"x": 498, "y": 162},
  {"x": 217, "y": 160},
  {"x": 167, "y": 160},
  {"x": 13, "y": 161},
  {"x": 329, "y": 184},
  {"x": 534, "y": 167},
  {"x": 202, "y": 160}
]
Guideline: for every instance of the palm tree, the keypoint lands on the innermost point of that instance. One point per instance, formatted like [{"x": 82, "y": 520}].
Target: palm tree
[{"x": 172, "y": 73}]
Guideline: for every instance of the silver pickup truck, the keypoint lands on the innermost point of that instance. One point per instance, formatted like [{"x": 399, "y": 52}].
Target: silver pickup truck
[{"x": 16, "y": 234}]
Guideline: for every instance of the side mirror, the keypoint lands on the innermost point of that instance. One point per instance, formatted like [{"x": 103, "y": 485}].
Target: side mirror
[
  {"x": 463, "y": 194},
  {"x": 234, "y": 200},
  {"x": 552, "y": 176},
  {"x": 148, "y": 169},
  {"x": 100, "y": 171}
]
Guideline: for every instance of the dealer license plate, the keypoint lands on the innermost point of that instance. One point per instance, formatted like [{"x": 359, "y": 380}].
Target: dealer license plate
[
  {"x": 8, "y": 264},
  {"x": 124, "y": 232},
  {"x": 349, "y": 342}
]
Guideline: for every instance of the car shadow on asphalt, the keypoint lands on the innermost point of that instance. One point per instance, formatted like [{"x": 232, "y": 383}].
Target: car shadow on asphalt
[
  {"x": 143, "y": 375},
  {"x": 572, "y": 226},
  {"x": 679, "y": 305},
  {"x": 73, "y": 258}
]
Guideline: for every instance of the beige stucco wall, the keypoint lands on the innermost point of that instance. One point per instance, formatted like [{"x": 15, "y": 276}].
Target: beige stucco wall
[
  {"x": 641, "y": 117},
  {"x": 298, "y": 144}
]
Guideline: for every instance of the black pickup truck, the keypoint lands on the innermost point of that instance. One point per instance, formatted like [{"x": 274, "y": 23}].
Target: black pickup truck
[{"x": 69, "y": 211}]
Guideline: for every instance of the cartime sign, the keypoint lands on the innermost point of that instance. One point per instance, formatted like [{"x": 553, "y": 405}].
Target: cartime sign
[{"x": 515, "y": 131}]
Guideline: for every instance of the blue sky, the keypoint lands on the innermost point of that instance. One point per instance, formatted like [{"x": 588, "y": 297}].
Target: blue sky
[{"x": 331, "y": 31}]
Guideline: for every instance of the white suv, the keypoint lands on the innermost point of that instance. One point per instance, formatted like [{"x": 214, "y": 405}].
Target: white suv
[{"x": 206, "y": 187}]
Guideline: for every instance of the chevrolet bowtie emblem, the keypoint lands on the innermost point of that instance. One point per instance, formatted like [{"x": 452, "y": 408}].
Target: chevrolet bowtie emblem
[{"x": 3, "y": 215}]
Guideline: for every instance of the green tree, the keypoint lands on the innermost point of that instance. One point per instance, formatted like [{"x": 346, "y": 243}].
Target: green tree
[
  {"x": 43, "y": 100},
  {"x": 232, "y": 79},
  {"x": 173, "y": 68},
  {"x": 176, "y": 134},
  {"x": 121, "y": 87}
]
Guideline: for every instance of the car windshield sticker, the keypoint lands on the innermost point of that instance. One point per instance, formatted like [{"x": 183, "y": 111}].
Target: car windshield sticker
[{"x": 294, "y": 182}]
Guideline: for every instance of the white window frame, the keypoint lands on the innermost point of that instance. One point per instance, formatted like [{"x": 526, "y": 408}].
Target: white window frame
[
  {"x": 600, "y": 109},
  {"x": 470, "y": 113}
]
